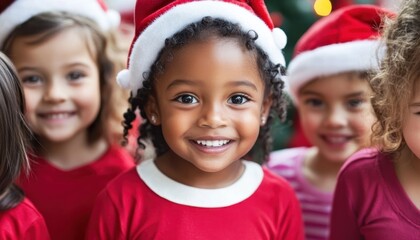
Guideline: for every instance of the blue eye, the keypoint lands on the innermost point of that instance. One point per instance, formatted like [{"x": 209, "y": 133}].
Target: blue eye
[
  {"x": 32, "y": 80},
  {"x": 354, "y": 103},
  {"x": 187, "y": 99},
  {"x": 313, "y": 102},
  {"x": 75, "y": 75},
  {"x": 238, "y": 99}
]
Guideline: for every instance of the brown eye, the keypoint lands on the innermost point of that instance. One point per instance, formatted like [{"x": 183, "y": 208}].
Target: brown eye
[
  {"x": 238, "y": 99},
  {"x": 187, "y": 99}
]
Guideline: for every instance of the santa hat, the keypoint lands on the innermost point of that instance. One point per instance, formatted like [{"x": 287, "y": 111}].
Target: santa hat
[
  {"x": 347, "y": 40},
  {"x": 16, "y": 12},
  {"x": 125, "y": 8},
  {"x": 157, "y": 20}
]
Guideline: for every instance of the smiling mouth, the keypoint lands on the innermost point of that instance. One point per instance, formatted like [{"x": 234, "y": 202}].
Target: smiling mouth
[
  {"x": 212, "y": 143},
  {"x": 56, "y": 116},
  {"x": 336, "y": 140}
]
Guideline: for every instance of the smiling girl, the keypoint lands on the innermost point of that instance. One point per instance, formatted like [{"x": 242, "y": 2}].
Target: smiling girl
[
  {"x": 63, "y": 58},
  {"x": 329, "y": 84},
  {"x": 206, "y": 77}
]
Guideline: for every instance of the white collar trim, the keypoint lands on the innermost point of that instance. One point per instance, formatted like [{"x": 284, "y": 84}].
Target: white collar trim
[{"x": 180, "y": 193}]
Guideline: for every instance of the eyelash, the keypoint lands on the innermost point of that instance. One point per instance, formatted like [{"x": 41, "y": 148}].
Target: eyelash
[
  {"x": 192, "y": 99},
  {"x": 239, "y": 95}
]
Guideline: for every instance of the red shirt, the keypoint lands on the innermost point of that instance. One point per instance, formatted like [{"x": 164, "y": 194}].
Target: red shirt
[
  {"x": 23, "y": 222},
  {"x": 66, "y": 198},
  {"x": 145, "y": 204},
  {"x": 370, "y": 203}
]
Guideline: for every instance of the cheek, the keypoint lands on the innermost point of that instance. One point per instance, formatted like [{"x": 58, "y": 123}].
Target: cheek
[
  {"x": 32, "y": 99},
  {"x": 310, "y": 123},
  {"x": 362, "y": 123},
  {"x": 247, "y": 123},
  {"x": 411, "y": 136},
  {"x": 89, "y": 98}
]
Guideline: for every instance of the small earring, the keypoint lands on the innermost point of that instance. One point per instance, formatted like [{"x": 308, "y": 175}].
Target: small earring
[
  {"x": 263, "y": 120},
  {"x": 153, "y": 119}
]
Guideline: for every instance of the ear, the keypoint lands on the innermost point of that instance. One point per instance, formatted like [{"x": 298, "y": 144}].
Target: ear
[
  {"x": 152, "y": 111},
  {"x": 265, "y": 109}
]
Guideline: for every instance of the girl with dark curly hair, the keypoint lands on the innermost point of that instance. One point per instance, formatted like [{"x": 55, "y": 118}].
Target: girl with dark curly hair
[{"x": 206, "y": 77}]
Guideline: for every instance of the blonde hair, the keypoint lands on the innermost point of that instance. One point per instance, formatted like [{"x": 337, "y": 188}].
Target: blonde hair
[
  {"x": 394, "y": 83},
  {"x": 109, "y": 58}
]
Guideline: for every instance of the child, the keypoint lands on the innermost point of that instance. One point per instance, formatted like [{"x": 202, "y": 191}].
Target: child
[
  {"x": 205, "y": 76},
  {"x": 328, "y": 78},
  {"x": 18, "y": 217},
  {"x": 378, "y": 194},
  {"x": 64, "y": 61}
]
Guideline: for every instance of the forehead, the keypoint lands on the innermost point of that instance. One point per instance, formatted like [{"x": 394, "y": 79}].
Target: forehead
[
  {"x": 67, "y": 43},
  {"x": 337, "y": 85},
  {"x": 211, "y": 61}
]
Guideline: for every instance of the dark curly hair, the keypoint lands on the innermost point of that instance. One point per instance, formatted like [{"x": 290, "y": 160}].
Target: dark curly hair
[{"x": 205, "y": 28}]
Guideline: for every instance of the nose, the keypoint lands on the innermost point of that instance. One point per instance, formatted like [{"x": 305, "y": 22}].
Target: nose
[
  {"x": 55, "y": 91},
  {"x": 336, "y": 117},
  {"x": 212, "y": 116}
]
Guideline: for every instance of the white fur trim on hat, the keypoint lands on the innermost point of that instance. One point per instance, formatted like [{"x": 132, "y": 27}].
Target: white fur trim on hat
[
  {"x": 333, "y": 59},
  {"x": 21, "y": 10},
  {"x": 152, "y": 39}
]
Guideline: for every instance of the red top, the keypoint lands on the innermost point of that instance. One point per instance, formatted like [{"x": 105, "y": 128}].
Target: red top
[
  {"x": 66, "y": 198},
  {"x": 370, "y": 203},
  {"x": 145, "y": 204},
  {"x": 23, "y": 222}
]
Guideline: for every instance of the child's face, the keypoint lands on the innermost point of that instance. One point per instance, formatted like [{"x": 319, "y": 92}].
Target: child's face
[
  {"x": 209, "y": 102},
  {"x": 336, "y": 114},
  {"x": 61, "y": 85},
  {"x": 411, "y": 123}
]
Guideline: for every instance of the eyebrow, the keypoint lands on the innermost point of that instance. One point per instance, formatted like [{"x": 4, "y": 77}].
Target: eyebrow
[
  {"x": 178, "y": 82},
  {"x": 356, "y": 94},
  {"x": 415, "y": 104},
  {"x": 36, "y": 68},
  {"x": 243, "y": 83},
  {"x": 27, "y": 69}
]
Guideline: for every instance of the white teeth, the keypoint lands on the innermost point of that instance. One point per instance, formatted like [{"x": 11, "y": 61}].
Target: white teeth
[
  {"x": 212, "y": 143},
  {"x": 57, "y": 116}
]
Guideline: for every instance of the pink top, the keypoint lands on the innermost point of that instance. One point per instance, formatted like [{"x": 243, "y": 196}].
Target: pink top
[
  {"x": 370, "y": 203},
  {"x": 316, "y": 204}
]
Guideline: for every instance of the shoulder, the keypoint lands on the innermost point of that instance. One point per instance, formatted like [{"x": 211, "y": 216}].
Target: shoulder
[
  {"x": 275, "y": 183},
  {"x": 127, "y": 180},
  {"x": 286, "y": 157},
  {"x": 26, "y": 211},
  {"x": 118, "y": 156},
  {"x": 362, "y": 174},
  {"x": 22, "y": 217},
  {"x": 363, "y": 162}
]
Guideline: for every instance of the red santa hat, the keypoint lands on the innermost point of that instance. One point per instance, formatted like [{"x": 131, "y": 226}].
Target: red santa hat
[
  {"x": 157, "y": 20},
  {"x": 347, "y": 40},
  {"x": 16, "y": 12}
]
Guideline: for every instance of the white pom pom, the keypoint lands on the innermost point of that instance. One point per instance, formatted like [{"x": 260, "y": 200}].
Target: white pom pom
[
  {"x": 123, "y": 79},
  {"x": 279, "y": 37},
  {"x": 114, "y": 18}
]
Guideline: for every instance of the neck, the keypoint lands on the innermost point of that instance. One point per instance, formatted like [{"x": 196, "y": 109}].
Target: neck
[
  {"x": 186, "y": 173},
  {"x": 72, "y": 153},
  {"x": 319, "y": 171}
]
